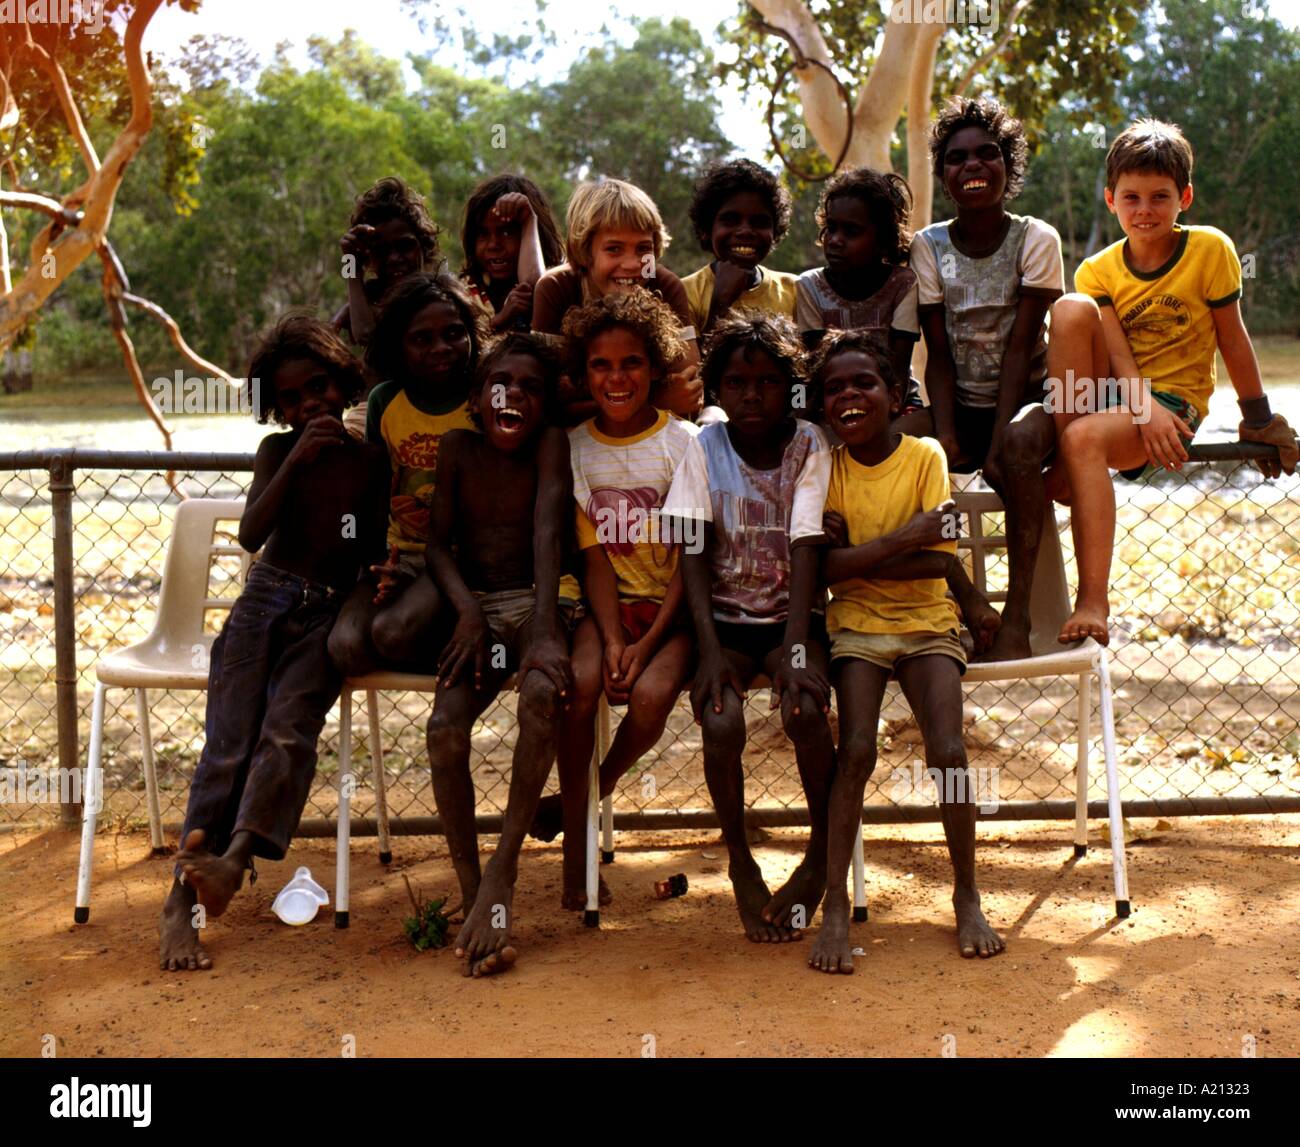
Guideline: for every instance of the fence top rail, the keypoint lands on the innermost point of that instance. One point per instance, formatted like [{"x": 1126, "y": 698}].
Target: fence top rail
[{"x": 75, "y": 458}]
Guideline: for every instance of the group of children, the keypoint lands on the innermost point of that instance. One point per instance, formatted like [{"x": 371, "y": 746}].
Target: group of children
[{"x": 534, "y": 489}]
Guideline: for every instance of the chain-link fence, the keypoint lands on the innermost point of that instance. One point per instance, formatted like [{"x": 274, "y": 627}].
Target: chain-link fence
[{"x": 1206, "y": 627}]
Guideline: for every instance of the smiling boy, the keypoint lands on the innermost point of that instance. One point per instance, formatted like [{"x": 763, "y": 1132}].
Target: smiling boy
[
  {"x": 1149, "y": 314},
  {"x": 740, "y": 212},
  {"x": 495, "y": 552}
]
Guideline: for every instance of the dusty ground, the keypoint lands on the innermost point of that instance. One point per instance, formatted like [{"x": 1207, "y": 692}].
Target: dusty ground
[{"x": 1209, "y": 956}]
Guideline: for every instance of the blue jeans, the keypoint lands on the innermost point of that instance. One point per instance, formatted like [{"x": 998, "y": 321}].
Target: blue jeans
[{"x": 270, "y": 684}]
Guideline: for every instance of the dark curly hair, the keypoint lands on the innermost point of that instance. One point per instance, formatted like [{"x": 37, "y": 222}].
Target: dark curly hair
[
  {"x": 889, "y": 201},
  {"x": 645, "y": 315},
  {"x": 1001, "y": 125},
  {"x": 481, "y": 201},
  {"x": 393, "y": 198},
  {"x": 748, "y": 330},
  {"x": 297, "y": 335},
  {"x": 723, "y": 180},
  {"x": 519, "y": 342},
  {"x": 867, "y": 342},
  {"x": 385, "y": 355}
]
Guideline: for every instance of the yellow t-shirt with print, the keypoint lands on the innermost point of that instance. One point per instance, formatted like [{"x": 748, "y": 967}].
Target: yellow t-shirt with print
[
  {"x": 875, "y": 501},
  {"x": 775, "y": 294},
  {"x": 1167, "y": 313},
  {"x": 411, "y": 436}
]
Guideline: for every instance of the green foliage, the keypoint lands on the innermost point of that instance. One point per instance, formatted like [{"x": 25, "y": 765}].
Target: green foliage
[{"x": 428, "y": 927}]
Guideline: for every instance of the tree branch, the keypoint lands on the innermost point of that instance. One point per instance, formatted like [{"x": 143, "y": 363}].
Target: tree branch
[
  {"x": 59, "y": 81},
  {"x": 1009, "y": 26},
  {"x": 178, "y": 340},
  {"x": 920, "y": 87}
]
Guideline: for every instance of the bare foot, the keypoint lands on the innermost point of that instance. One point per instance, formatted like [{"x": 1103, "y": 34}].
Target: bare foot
[
  {"x": 752, "y": 896},
  {"x": 1010, "y": 644},
  {"x": 179, "y": 949},
  {"x": 215, "y": 879},
  {"x": 804, "y": 891},
  {"x": 1085, "y": 621},
  {"x": 484, "y": 938},
  {"x": 575, "y": 899},
  {"x": 974, "y": 936},
  {"x": 548, "y": 821},
  {"x": 830, "y": 950}
]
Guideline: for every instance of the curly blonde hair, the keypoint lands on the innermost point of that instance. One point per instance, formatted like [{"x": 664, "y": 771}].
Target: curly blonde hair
[
  {"x": 638, "y": 311},
  {"x": 605, "y": 204}
]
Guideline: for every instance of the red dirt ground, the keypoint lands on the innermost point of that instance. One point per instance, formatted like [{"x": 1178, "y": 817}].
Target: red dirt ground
[{"x": 1210, "y": 956}]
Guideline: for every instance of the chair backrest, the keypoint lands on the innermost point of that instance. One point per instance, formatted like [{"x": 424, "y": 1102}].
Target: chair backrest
[
  {"x": 185, "y": 596},
  {"x": 1049, "y": 600}
]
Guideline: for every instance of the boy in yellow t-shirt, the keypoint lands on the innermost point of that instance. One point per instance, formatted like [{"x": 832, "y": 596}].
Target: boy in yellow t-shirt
[
  {"x": 1139, "y": 337},
  {"x": 893, "y": 531},
  {"x": 739, "y": 212}
]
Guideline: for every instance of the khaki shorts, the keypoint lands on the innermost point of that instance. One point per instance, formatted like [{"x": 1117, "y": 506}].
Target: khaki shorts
[
  {"x": 888, "y": 649},
  {"x": 508, "y": 611}
]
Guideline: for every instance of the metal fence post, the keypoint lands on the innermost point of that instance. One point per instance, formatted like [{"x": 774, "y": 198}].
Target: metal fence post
[{"x": 62, "y": 469}]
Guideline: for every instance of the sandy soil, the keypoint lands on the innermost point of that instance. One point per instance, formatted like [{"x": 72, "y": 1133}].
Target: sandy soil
[{"x": 1209, "y": 956}]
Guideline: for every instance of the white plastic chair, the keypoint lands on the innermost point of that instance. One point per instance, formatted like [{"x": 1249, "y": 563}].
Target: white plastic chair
[
  {"x": 1049, "y": 607},
  {"x": 173, "y": 656}
]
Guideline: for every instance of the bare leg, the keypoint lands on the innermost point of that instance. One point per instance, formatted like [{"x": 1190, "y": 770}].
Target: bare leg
[
  {"x": 215, "y": 879},
  {"x": 1076, "y": 358},
  {"x": 1092, "y": 447},
  {"x": 932, "y": 685},
  {"x": 484, "y": 940},
  {"x": 981, "y": 618},
  {"x": 179, "y": 949},
  {"x": 796, "y": 900},
  {"x": 724, "y": 745},
  {"x": 861, "y": 688},
  {"x": 1025, "y": 445},
  {"x": 404, "y": 630},
  {"x": 350, "y": 646}
]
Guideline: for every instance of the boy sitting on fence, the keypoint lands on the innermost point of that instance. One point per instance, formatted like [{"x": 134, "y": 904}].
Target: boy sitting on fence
[
  {"x": 894, "y": 544},
  {"x": 315, "y": 509},
  {"x": 502, "y": 499},
  {"x": 1140, "y": 338}
]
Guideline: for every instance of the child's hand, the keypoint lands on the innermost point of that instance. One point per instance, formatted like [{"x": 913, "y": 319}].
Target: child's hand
[
  {"x": 729, "y": 283},
  {"x": 386, "y": 576},
  {"x": 836, "y": 529},
  {"x": 1277, "y": 432},
  {"x": 1161, "y": 438},
  {"x": 467, "y": 648},
  {"x": 319, "y": 434},
  {"x": 548, "y": 654},
  {"x": 612, "y": 671},
  {"x": 518, "y": 305},
  {"x": 930, "y": 527},
  {"x": 633, "y": 661},
  {"x": 512, "y": 205},
  {"x": 796, "y": 682},
  {"x": 682, "y": 391},
  {"x": 357, "y": 241},
  {"x": 714, "y": 675}
]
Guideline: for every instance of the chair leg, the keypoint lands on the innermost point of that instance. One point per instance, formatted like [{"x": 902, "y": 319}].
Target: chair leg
[
  {"x": 591, "y": 917},
  {"x": 607, "y": 805},
  {"x": 377, "y": 767},
  {"x": 91, "y": 798},
  {"x": 859, "y": 880},
  {"x": 343, "y": 844},
  {"x": 150, "y": 773},
  {"x": 1081, "y": 768},
  {"x": 1119, "y": 860}
]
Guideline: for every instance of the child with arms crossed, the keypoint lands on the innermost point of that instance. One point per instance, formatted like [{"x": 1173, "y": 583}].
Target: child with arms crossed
[
  {"x": 986, "y": 279},
  {"x": 270, "y": 680},
  {"x": 633, "y": 646},
  {"x": 501, "y": 502},
  {"x": 1150, "y": 313},
  {"x": 757, "y": 485},
  {"x": 889, "y": 616},
  {"x": 425, "y": 348}
]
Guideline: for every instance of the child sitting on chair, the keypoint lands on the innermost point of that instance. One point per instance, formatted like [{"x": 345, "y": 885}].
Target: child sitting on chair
[
  {"x": 889, "y": 616},
  {"x": 315, "y": 509},
  {"x": 502, "y": 500}
]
